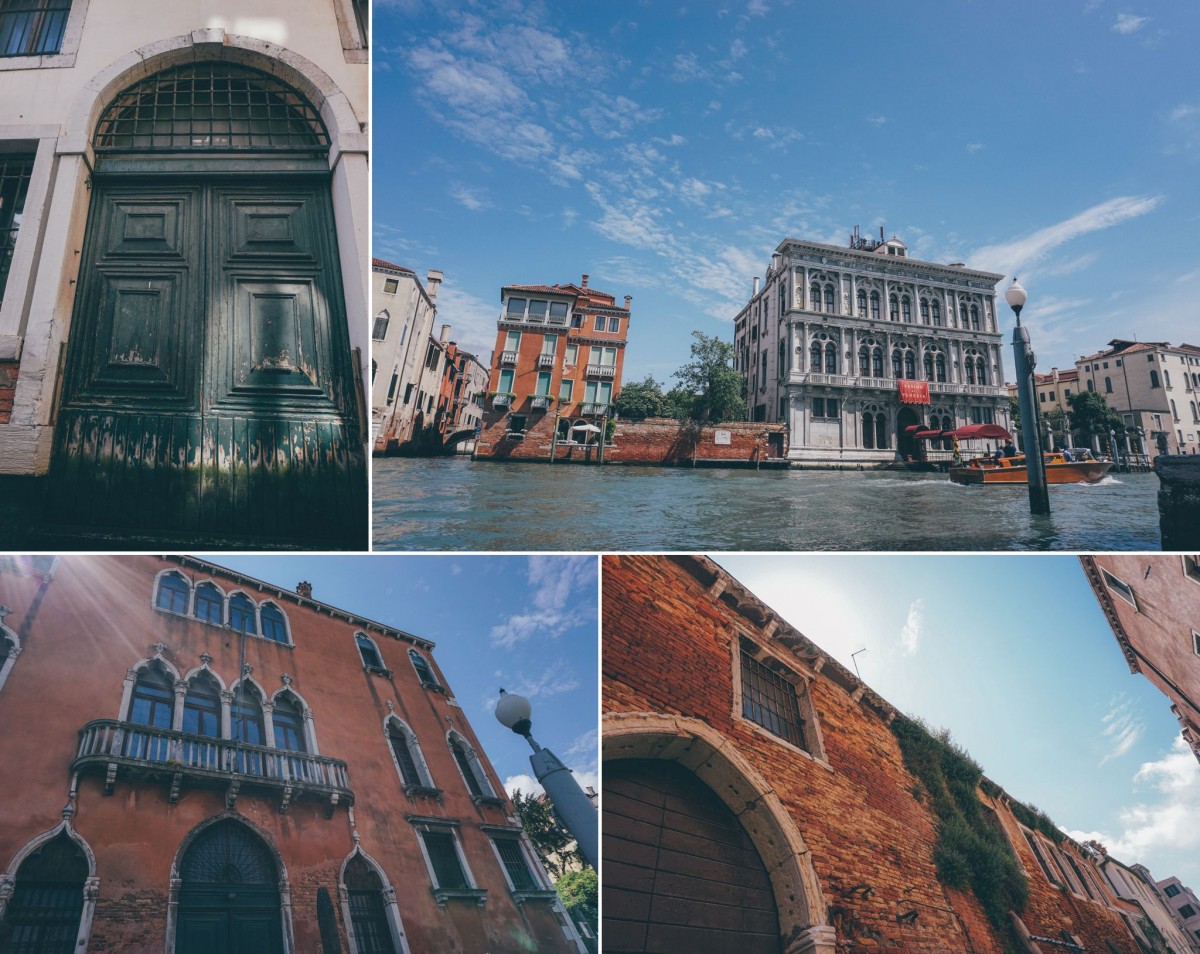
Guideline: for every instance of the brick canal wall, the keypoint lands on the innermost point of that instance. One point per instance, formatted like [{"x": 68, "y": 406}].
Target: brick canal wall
[
  {"x": 656, "y": 441},
  {"x": 859, "y": 820},
  {"x": 8, "y": 388}
]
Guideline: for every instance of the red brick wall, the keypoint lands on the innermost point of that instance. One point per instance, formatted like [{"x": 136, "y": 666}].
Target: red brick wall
[
  {"x": 667, "y": 649},
  {"x": 8, "y": 387},
  {"x": 655, "y": 441}
]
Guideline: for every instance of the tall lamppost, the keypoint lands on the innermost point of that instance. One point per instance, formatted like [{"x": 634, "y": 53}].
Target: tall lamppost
[
  {"x": 573, "y": 808},
  {"x": 1035, "y": 464}
]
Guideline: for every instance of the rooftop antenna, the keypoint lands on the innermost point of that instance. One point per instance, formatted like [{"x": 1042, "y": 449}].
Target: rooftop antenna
[{"x": 855, "y": 661}]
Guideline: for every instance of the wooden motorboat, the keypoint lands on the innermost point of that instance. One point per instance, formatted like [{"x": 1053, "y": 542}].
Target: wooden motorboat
[{"x": 1078, "y": 466}]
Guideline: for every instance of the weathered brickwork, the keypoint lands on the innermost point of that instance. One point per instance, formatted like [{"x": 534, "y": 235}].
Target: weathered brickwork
[
  {"x": 79, "y": 633},
  {"x": 671, "y": 631},
  {"x": 8, "y": 388},
  {"x": 655, "y": 441}
]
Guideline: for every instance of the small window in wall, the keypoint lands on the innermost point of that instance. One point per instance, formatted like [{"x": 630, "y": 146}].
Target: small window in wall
[
  {"x": 44, "y": 912},
  {"x": 773, "y": 696},
  {"x": 15, "y": 173},
  {"x": 424, "y": 670},
  {"x": 1120, "y": 587},
  {"x": 380, "y": 328},
  {"x": 1196, "y": 642},
  {"x": 407, "y": 753},
  {"x": 32, "y": 27},
  {"x": 274, "y": 626},
  {"x": 516, "y": 867},
  {"x": 1186, "y": 912},
  {"x": 173, "y": 593},
  {"x": 369, "y": 653},
  {"x": 442, "y": 848},
  {"x": 365, "y": 895},
  {"x": 241, "y": 614},
  {"x": 1171, "y": 890},
  {"x": 210, "y": 604},
  {"x": 288, "y": 723},
  {"x": 471, "y": 769}
]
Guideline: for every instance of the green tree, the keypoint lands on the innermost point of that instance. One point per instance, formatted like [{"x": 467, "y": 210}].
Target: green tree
[
  {"x": 717, "y": 390},
  {"x": 1091, "y": 414},
  {"x": 639, "y": 400},
  {"x": 579, "y": 891},
  {"x": 550, "y": 839}
]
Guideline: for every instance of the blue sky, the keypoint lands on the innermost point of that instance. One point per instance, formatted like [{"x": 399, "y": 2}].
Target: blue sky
[
  {"x": 1012, "y": 655},
  {"x": 667, "y": 148},
  {"x": 527, "y": 624}
]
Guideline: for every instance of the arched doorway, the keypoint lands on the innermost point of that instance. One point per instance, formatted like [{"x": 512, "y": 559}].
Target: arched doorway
[
  {"x": 47, "y": 902},
  {"x": 229, "y": 900},
  {"x": 907, "y": 422},
  {"x": 209, "y": 393},
  {"x": 680, "y": 872}
]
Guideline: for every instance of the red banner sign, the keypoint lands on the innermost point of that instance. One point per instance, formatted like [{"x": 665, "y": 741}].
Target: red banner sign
[{"x": 914, "y": 392}]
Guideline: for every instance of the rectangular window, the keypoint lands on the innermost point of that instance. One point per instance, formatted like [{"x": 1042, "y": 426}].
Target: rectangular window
[
  {"x": 605, "y": 357},
  {"x": 1121, "y": 588},
  {"x": 516, "y": 309},
  {"x": 15, "y": 173},
  {"x": 408, "y": 393},
  {"x": 379, "y": 331},
  {"x": 565, "y": 388},
  {"x": 391, "y": 395},
  {"x": 443, "y": 858},
  {"x": 549, "y": 344},
  {"x": 1196, "y": 642},
  {"x": 32, "y": 27},
  {"x": 598, "y": 392},
  {"x": 515, "y": 866},
  {"x": 537, "y": 310},
  {"x": 390, "y": 285},
  {"x": 1171, "y": 890},
  {"x": 543, "y": 383},
  {"x": 512, "y": 341},
  {"x": 1041, "y": 860},
  {"x": 572, "y": 355},
  {"x": 558, "y": 312},
  {"x": 769, "y": 700},
  {"x": 506, "y": 381}
]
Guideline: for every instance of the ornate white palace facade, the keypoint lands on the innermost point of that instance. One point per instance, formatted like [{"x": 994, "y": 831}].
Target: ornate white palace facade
[{"x": 859, "y": 349}]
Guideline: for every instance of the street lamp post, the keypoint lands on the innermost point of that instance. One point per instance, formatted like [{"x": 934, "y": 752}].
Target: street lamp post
[
  {"x": 573, "y": 808},
  {"x": 1035, "y": 464}
]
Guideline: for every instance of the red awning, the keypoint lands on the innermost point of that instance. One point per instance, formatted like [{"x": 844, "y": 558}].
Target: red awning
[
  {"x": 982, "y": 430},
  {"x": 927, "y": 435},
  {"x": 914, "y": 392},
  {"x": 913, "y": 428}
]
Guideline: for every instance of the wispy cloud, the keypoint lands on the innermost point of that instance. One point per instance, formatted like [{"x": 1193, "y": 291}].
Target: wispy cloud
[
  {"x": 910, "y": 635},
  {"x": 472, "y": 320},
  {"x": 1123, "y": 726},
  {"x": 558, "y": 601},
  {"x": 876, "y": 120},
  {"x": 470, "y": 197},
  {"x": 1129, "y": 23},
  {"x": 1165, "y": 817},
  {"x": 974, "y": 147},
  {"x": 1009, "y": 258}
]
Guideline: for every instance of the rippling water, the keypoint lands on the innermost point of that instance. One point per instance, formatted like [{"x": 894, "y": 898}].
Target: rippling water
[{"x": 459, "y": 504}]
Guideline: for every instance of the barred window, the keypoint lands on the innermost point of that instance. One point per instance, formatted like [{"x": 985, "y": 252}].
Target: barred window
[
  {"x": 443, "y": 858},
  {"x": 769, "y": 699},
  {"x": 515, "y": 865},
  {"x": 15, "y": 173}
]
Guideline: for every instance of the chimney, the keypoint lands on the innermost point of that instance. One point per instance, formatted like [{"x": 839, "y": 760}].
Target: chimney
[
  {"x": 304, "y": 588},
  {"x": 434, "y": 280},
  {"x": 628, "y": 299},
  {"x": 755, "y": 286},
  {"x": 776, "y": 261},
  {"x": 584, "y": 285},
  {"x": 445, "y": 335}
]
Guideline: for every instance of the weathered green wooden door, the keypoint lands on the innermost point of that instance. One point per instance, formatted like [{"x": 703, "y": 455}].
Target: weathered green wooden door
[{"x": 209, "y": 392}]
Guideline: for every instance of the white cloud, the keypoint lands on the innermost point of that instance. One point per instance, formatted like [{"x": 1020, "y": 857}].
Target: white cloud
[
  {"x": 1122, "y": 728},
  {"x": 974, "y": 147},
  {"x": 472, "y": 320},
  {"x": 1164, "y": 821},
  {"x": 559, "y": 597},
  {"x": 876, "y": 119},
  {"x": 522, "y": 783},
  {"x": 1129, "y": 23},
  {"x": 470, "y": 197},
  {"x": 1009, "y": 258},
  {"x": 910, "y": 635}
]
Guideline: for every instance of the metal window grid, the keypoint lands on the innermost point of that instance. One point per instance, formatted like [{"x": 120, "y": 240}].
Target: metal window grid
[
  {"x": 514, "y": 864},
  {"x": 15, "y": 173},
  {"x": 447, "y": 869},
  {"x": 770, "y": 701},
  {"x": 404, "y": 756},
  {"x": 32, "y": 27},
  {"x": 214, "y": 107}
]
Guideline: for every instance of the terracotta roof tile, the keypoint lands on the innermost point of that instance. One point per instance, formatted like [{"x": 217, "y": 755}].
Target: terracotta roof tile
[{"x": 383, "y": 263}]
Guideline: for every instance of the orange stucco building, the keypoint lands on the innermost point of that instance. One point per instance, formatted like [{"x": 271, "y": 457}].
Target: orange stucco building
[
  {"x": 556, "y": 368},
  {"x": 198, "y": 761}
]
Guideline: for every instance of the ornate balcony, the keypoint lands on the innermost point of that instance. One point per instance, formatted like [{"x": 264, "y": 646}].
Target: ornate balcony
[
  {"x": 146, "y": 753},
  {"x": 593, "y": 410},
  {"x": 501, "y": 400},
  {"x": 508, "y": 357},
  {"x": 545, "y": 361},
  {"x": 539, "y": 402},
  {"x": 601, "y": 371}
]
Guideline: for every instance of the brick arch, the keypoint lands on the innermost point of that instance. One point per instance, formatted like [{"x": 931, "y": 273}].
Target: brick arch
[{"x": 716, "y": 762}]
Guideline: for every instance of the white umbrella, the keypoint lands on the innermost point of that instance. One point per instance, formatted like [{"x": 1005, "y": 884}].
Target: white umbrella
[{"x": 586, "y": 427}]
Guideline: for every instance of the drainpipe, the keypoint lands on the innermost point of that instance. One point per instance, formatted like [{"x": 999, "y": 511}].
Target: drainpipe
[
  {"x": 603, "y": 431},
  {"x": 554, "y": 434}
]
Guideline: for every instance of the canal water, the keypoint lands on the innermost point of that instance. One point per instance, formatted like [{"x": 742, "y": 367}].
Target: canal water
[{"x": 459, "y": 504}]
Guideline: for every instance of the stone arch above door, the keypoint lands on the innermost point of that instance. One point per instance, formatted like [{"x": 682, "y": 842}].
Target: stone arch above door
[{"x": 715, "y": 761}]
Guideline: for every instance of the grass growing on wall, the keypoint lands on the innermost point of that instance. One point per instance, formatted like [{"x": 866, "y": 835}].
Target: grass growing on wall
[{"x": 971, "y": 851}]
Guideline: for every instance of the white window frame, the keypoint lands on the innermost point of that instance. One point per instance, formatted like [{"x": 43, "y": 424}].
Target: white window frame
[
  {"x": 414, "y": 749},
  {"x": 801, "y": 679},
  {"x": 475, "y": 764},
  {"x": 449, "y": 826},
  {"x": 8, "y": 635},
  {"x": 355, "y": 46},
  {"x": 1118, "y": 586}
]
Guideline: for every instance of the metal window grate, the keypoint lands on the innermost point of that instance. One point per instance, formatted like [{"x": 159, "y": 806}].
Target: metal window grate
[
  {"x": 32, "y": 27},
  {"x": 770, "y": 700},
  {"x": 15, "y": 173},
  {"x": 447, "y": 869},
  {"x": 514, "y": 864},
  {"x": 468, "y": 771},
  {"x": 228, "y": 853},
  {"x": 212, "y": 107},
  {"x": 404, "y": 756}
]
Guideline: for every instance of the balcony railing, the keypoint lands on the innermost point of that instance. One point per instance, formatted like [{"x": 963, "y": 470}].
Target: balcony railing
[
  {"x": 545, "y": 360},
  {"x": 508, "y": 357},
  {"x": 593, "y": 410},
  {"x": 601, "y": 371},
  {"x": 140, "y": 751},
  {"x": 501, "y": 400},
  {"x": 539, "y": 402},
  {"x": 937, "y": 387}
]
